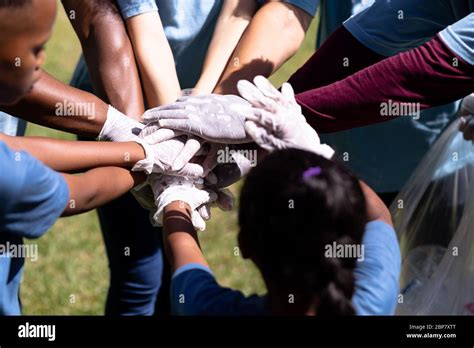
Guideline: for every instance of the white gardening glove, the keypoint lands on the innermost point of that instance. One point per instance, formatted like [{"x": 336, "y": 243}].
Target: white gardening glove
[
  {"x": 277, "y": 121},
  {"x": 216, "y": 118},
  {"x": 169, "y": 157},
  {"x": 225, "y": 201},
  {"x": 119, "y": 127},
  {"x": 466, "y": 112},
  {"x": 172, "y": 157},
  {"x": 160, "y": 158},
  {"x": 144, "y": 194},
  {"x": 168, "y": 189}
]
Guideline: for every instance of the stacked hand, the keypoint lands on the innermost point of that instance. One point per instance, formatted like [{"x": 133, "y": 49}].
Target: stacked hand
[
  {"x": 174, "y": 135},
  {"x": 172, "y": 157},
  {"x": 168, "y": 189},
  {"x": 172, "y": 174},
  {"x": 216, "y": 118},
  {"x": 168, "y": 157},
  {"x": 277, "y": 121}
]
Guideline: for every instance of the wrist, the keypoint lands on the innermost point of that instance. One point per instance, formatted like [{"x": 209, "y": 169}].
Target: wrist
[
  {"x": 139, "y": 152},
  {"x": 204, "y": 86},
  {"x": 118, "y": 127},
  {"x": 147, "y": 162},
  {"x": 180, "y": 206}
]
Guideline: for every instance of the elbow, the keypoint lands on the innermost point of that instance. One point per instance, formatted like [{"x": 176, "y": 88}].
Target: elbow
[
  {"x": 291, "y": 21},
  {"x": 82, "y": 194},
  {"x": 111, "y": 34}
]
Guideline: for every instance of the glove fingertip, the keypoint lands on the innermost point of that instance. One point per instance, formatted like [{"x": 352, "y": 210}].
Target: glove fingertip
[
  {"x": 288, "y": 92},
  {"x": 250, "y": 126},
  {"x": 198, "y": 221},
  {"x": 192, "y": 170}
]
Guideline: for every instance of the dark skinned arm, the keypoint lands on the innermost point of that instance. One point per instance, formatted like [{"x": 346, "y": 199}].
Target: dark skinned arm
[
  {"x": 108, "y": 52},
  {"x": 116, "y": 69},
  {"x": 179, "y": 236},
  {"x": 75, "y": 156},
  {"x": 40, "y": 106},
  {"x": 98, "y": 187}
]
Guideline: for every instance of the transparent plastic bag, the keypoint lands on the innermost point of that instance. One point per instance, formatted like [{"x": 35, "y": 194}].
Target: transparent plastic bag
[{"x": 434, "y": 219}]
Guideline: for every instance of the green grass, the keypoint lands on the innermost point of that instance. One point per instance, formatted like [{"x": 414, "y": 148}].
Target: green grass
[{"x": 71, "y": 275}]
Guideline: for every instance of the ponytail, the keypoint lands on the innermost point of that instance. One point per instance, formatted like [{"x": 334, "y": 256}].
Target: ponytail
[{"x": 335, "y": 296}]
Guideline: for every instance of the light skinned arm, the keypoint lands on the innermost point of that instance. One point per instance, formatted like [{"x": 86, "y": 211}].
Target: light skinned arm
[
  {"x": 108, "y": 53},
  {"x": 98, "y": 187},
  {"x": 234, "y": 18},
  {"x": 43, "y": 104},
  {"x": 155, "y": 59},
  {"x": 179, "y": 236},
  {"x": 273, "y": 36},
  {"x": 74, "y": 156}
]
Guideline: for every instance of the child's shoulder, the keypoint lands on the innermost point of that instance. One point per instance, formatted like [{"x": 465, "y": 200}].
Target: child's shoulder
[
  {"x": 195, "y": 291},
  {"x": 23, "y": 175},
  {"x": 10, "y": 170}
]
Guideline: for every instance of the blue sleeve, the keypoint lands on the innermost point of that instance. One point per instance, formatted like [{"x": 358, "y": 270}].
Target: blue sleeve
[
  {"x": 130, "y": 8},
  {"x": 194, "y": 291},
  {"x": 459, "y": 37},
  {"x": 32, "y": 196},
  {"x": 309, "y": 6},
  {"x": 389, "y": 27},
  {"x": 377, "y": 275}
]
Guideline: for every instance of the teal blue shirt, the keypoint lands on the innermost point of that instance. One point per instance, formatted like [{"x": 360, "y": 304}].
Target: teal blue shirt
[
  {"x": 393, "y": 26},
  {"x": 385, "y": 155}
]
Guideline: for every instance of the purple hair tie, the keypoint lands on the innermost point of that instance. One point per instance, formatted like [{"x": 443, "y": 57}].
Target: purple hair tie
[{"x": 310, "y": 172}]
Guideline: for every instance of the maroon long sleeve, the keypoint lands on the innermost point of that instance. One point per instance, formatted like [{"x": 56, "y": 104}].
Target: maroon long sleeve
[
  {"x": 340, "y": 56},
  {"x": 424, "y": 77}
]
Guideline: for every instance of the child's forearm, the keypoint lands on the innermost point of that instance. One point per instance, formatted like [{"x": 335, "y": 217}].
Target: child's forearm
[
  {"x": 97, "y": 187},
  {"x": 71, "y": 156},
  {"x": 180, "y": 238}
]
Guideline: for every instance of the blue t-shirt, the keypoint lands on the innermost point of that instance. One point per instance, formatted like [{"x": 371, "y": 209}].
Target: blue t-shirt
[
  {"x": 188, "y": 26},
  {"x": 32, "y": 197},
  {"x": 195, "y": 291},
  {"x": 386, "y": 154},
  {"x": 389, "y": 27}
]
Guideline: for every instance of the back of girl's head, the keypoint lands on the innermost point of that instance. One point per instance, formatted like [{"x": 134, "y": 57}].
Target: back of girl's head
[{"x": 293, "y": 206}]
